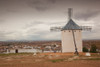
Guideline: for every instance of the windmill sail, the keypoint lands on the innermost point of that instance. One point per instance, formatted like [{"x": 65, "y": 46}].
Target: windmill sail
[
  {"x": 71, "y": 34},
  {"x": 71, "y": 25},
  {"x": 57, "y": 29}
]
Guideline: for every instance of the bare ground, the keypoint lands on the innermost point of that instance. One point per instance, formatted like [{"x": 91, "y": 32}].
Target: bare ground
[{"x": 49, "y": 60}]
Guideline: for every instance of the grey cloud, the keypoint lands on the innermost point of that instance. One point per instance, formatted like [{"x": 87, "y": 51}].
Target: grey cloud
[
  {"x": 87, "y": 15},
  {"x": 35, "y": 33},
  {"x": 94, "y": 33},
  {"x": 41, "y": 5},
  {"x": 2, "y": 20},
  {"x": 32, "y": 24},
  {"x": 12, "y": 10},
  {"x": 3, "y": 35},
  {"x": 52, "y": 1},
  {"x": 28, "y": 9},
  {"x": 13, "y": 35},
  {"x": 42, "y": 35},
  {"x": 35, "y": 23},
  {"x": 96, "y": 28},
  {"x": 41, "y": 8}
]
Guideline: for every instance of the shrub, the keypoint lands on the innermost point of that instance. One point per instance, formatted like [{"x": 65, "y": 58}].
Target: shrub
[
  {"x": 57, "y": 60},
  {"x": 93, "y": 48},
  {"x": 85, "y": 49}
]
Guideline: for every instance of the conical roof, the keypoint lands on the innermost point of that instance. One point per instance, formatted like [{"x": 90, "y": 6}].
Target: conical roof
[{"x": 71, "y": 25}]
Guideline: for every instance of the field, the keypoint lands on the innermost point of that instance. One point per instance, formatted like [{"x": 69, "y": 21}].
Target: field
[{"x": 49, "y": 60}]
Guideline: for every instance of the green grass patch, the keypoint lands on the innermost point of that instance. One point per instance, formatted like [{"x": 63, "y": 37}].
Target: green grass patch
[
  {"x": 88, "y": 59},
  {"x": 46, "y": 55},
  {"x": 95, "y": 55},
  {"x": 57, "y": 60},
  {"x": 11, "y": 54},
  {"x": 92, "y": 59}
]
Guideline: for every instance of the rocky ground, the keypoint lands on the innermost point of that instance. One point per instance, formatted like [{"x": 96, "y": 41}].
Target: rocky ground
[{"x": 49, "y": 60}]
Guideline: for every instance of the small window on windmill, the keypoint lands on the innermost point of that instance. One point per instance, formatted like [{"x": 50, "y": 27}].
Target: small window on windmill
[
  {"x": 69, "y": 30},
  {"x": 64, "y": 31},
  {"x": 74, "y": 30},
  {"x": 79, "y": 30}
]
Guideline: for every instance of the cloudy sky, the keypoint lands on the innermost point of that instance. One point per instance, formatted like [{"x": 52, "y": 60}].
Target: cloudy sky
[{"x": 32, "y": 19}]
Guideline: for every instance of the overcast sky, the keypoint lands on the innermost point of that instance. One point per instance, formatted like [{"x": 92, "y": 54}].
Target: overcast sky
[{"x": 32, "y": 19}]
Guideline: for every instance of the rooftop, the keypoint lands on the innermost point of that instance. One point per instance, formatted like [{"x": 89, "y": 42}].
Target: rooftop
[{"x": 71, "y": 25}]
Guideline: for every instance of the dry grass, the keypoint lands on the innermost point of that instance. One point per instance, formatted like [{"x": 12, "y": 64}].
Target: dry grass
[{"x": 48, "y": 60}]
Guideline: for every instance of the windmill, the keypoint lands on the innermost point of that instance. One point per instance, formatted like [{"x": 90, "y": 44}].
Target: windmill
[{"x": 71, "y": 35}]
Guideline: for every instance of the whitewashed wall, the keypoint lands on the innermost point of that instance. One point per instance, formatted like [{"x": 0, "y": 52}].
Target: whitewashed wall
[
  {"x": 68, "y": 42},
  {"x": 25, "y": 51}
]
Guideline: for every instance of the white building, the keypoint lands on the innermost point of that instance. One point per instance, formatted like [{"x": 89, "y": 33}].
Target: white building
[{"x": 71, "y": 37}]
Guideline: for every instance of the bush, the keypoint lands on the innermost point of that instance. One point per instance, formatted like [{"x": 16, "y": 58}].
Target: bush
[
  {"x": 57, "y": 60},
  {"x": 93, "y": 48},
  {"x": 85, "y": 49}
]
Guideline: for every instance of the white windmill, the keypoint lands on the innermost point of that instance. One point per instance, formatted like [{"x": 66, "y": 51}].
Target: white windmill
[{"x": 71, "y": 35}]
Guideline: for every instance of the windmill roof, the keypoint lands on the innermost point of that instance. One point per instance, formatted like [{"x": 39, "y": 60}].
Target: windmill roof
[{"x": 71, "y": 25}]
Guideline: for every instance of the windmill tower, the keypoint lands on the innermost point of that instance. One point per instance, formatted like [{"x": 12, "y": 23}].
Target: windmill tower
[{"x": 71, "y": 35}]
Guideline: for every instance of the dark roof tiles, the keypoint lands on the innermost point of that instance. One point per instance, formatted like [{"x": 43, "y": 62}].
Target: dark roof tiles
[{"x": 71, "y": 25}]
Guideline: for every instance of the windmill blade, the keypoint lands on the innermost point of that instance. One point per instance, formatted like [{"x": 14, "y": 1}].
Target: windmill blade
[
  {"x": 86, "y": 28},
  {"x": 55, "y": 29},
  {"x": 70, "y": 11}
]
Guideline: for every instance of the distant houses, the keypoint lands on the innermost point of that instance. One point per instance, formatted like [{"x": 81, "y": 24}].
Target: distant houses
[
  {"x": 40, "y": 46},
  {"x": 37, "y": 46}
]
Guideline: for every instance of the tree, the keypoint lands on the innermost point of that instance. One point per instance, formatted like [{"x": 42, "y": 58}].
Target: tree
[
  {"x": 93, "y": 48},
  {"x": 42, "y": 48},
  {"x": 85, "y": 49}
]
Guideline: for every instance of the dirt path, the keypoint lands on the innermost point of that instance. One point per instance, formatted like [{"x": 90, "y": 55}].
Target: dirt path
[
  {"x": 47, "y": 60},
  {"x": 80, "y": 63}
]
